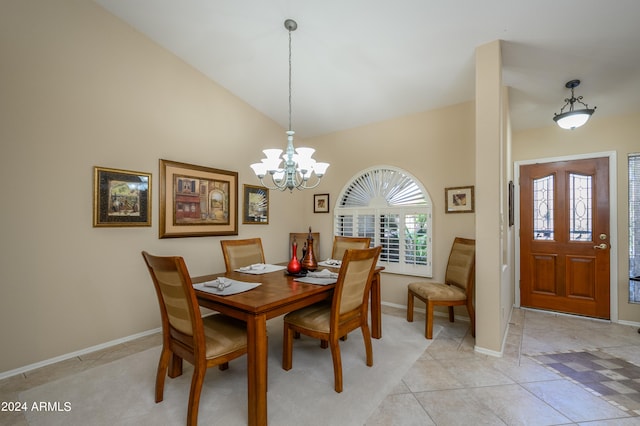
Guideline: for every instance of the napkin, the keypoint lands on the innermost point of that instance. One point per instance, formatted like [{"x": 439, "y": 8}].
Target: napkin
[
  {"x": 225, "y": 286},
  {"x": 260, "y": 268},
  {"x": 331, "y": 262},
  {"x": 254, "y": 267}
]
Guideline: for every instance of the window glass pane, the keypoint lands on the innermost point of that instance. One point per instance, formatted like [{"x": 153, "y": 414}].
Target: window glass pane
[
  {"x": 367, "y": 227},
  {"x": 543, "y": 208},
  {"x": 415, "y": 239},
  {"x": 580, "y": 208},
  {"x": 390, "y": 238},
  {"x": 634, "y": 228}
]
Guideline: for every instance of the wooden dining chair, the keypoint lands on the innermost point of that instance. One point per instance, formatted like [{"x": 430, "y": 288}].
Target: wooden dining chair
[
  {"x": 347, "y": 311},
  {"x": 340, "y": 244},
  {"x": 204, "y": 342},
  {"x": 239, "y": 253},
  {"x": 456, "y": 290}
]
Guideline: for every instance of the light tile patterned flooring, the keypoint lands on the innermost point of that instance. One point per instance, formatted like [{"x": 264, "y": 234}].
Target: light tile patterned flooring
[{"x": 542, "y": 379}]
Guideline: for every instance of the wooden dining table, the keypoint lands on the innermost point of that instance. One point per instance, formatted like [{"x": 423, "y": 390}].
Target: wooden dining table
[{"x": 277, "y": 295}]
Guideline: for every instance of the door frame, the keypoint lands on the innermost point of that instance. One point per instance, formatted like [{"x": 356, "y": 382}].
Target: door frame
[{"x": 613, "y": 222}]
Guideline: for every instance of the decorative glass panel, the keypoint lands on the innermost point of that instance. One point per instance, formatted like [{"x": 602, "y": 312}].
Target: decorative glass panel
[
  {"x": 634, "y": 228},
  {"x": 543, "y": 203},
  {"x": 580, "y": 207}
]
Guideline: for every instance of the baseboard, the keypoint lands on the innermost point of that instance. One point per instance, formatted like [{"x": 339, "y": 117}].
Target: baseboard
[{"x": 85, "y": 351}]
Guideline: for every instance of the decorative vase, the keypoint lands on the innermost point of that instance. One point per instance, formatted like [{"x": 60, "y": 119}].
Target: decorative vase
[
  {"x": 309, "y": 261},
  {"x": 294, "y": 266}
]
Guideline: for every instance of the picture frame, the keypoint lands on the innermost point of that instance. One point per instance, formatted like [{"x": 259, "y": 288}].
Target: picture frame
[
  {"x": 121, "y": 198},
  {"x": 255, "y": 205},
  {"x": 459, "y": 199},
  {"x": 321, "y": 203},
  {"x": 197, "y": 201}
]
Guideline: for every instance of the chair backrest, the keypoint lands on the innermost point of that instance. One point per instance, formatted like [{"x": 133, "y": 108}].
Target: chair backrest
[
  {"x": 461, "y": 264},
  {"x": 340, "y": 244},
  {"x": 178, "y": 304},
  {"x": 354, "y": 281},
  {"x": 301, "y": 238},
  {"x": 239, "y": 253}
]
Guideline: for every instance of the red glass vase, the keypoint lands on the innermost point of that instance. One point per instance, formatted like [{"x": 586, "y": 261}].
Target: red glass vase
[{"x": 294, "y": 266}]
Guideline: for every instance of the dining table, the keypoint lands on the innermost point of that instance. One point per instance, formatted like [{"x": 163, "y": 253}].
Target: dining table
[{"x": 277, "y": 294}]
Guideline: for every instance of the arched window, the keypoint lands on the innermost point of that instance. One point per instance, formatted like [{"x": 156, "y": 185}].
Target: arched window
[{"x": 392, "y": 208}]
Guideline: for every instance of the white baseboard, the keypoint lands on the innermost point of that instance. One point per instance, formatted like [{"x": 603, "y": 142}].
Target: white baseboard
[{"x": 85, "y": 351}]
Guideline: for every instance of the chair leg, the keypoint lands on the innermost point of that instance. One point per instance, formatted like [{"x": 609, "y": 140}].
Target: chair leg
[
  {"x": 409, "y": 306},
  {"x": 366, "y": 335},
  {"x": 287, "y": 347},
  {"x": 194, "y": 395},
  {"x": 428, "y": 331},
  {"x": 175, "y": 366},
  {"x": 451, "y": 314},
  {"x": 223, "y": 366},
  {"x": 472, "y": 317},
  {"x": 337, "y": 364},
  {"x": 163, "y": 364},
  {"x": 324, "y": 344}
]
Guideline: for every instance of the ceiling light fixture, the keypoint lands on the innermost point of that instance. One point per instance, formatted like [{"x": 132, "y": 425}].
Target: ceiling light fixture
[
  {"x": 298, "y": 164},
  {"x": 573, "y": 118}
]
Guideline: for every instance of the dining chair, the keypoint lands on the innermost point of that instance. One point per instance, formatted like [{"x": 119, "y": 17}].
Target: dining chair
[
  {"x": 456, "y": 290},
  {"x": 239, "y": 253},
  {"x": 204, "y": 342},
  {"x": 345, "y": 312},
  {"x": 340, "y": 244}
]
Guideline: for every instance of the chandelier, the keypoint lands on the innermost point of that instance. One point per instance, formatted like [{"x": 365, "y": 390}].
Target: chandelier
[
  {"x": 299, "y": 166},
  {"x": 573, "y": 118}
]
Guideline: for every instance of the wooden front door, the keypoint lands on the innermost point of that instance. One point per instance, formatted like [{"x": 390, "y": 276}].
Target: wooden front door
[{"x": 564, "y": 237}]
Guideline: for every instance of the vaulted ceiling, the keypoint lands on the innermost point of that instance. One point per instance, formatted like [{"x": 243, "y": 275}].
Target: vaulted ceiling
[{"x": 361, "y": 61}]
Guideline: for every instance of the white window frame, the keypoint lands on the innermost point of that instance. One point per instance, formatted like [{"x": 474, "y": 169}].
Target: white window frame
[{"x": 378, "y": 206}]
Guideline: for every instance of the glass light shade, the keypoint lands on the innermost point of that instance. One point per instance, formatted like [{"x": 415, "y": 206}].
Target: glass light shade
[
  {"x": 260, "y": 169},
  {"x": 278, "y": 176},
  {"x": 305, "y": 152},
  {"x": 272, "y": 164},
  {"x": 320, "y": 168},
  {"x": 272, "y": 153},
  {"x": 573, "y": 119},
  {"x": 305, "y": 164}
]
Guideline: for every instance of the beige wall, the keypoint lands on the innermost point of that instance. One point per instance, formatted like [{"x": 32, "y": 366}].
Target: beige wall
[
  {"x": 82, "y": 89},
  {"x": 600, "y": 134}
]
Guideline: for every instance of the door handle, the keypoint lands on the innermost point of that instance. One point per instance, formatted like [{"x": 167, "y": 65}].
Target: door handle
[{"x": 602, "y": 246}]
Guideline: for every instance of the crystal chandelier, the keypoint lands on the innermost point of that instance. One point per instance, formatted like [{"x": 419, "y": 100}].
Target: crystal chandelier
[
  {"x": 299, "y": 167},
  {"x": 573, "y": 118}
]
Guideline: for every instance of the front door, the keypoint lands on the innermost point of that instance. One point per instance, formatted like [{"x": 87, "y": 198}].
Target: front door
[{"x": 564, "y": 237}]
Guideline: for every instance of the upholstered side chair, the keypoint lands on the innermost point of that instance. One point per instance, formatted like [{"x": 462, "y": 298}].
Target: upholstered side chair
[
  {"x": 347, "y": 311},
  {"x": 240, "y": 253},
  {"x": 204, "y": 342},
  {"x": 456, "y": 290},
  {"x": 340, "y": 244}
]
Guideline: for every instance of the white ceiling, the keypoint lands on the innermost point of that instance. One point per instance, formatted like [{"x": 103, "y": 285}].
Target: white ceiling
[{"x": 361, "y": 61}]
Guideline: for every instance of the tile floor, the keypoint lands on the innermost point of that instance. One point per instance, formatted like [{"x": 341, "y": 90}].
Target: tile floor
[{"x": 547, "y": 376}]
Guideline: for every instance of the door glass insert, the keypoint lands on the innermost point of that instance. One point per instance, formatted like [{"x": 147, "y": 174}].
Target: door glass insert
[
  {"x": 580, "y": 207},
  {"x": 543, "y": 208}
]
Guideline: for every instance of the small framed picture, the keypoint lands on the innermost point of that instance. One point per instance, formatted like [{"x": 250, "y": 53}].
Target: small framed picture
[
  {"x": 121, "y": 197},
  {"x": 321, "y": 203},
  {"x": 459, "y": 199},
  {"x": 256, "y": 205}
]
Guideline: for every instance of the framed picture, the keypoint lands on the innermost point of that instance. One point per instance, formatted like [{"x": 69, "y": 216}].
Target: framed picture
[
  {"x": 321, "y": 203},
  {"x": 121, "y": 197},
  {"x": 256, "y": 205},
  {"x": 197, "y": 201},
  {"x": 459, "y": 199}
]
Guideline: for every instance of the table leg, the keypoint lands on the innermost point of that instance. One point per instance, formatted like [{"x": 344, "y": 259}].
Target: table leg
[
  {"x": 257, "y": 353},
  {"x": 376, "y": 307}
]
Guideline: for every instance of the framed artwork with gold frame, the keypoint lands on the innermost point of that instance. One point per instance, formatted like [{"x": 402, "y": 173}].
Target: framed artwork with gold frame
[
  {"x": 197, "y": 201},
  {"x": 121, "y": 198}
]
